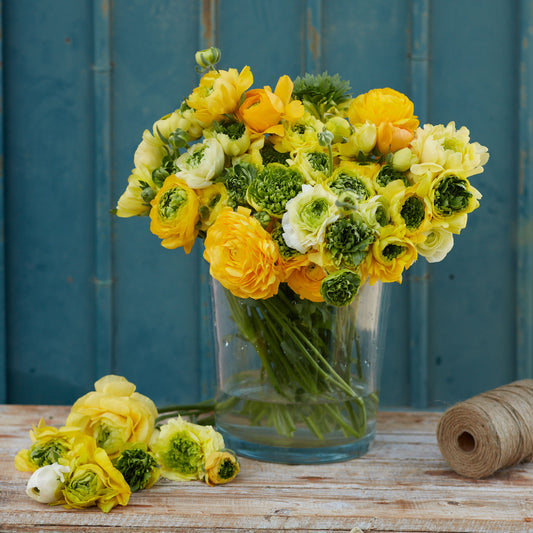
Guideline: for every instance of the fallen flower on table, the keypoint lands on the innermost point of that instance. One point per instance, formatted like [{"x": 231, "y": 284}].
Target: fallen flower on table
[{"x": 110, "y": 447}]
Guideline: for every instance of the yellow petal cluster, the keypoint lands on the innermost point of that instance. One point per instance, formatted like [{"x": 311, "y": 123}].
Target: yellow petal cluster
[
  {"x": 174, "y": 214},
  {"x": 219, "y": 93},
  {"x": 242, "y": 255},
  {"x": 114, "y": 414}
]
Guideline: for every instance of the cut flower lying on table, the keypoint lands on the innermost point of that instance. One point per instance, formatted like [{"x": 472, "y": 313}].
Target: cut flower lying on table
[
  {"x": 302, "y": 185},
  {"x": 111, "y": 447}
]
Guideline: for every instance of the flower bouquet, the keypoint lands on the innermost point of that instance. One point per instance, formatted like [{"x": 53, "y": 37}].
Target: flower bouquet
[{"x": 306, "y": 200}]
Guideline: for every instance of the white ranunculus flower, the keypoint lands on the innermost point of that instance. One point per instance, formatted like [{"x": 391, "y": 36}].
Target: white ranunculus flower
[
  {"x": 436, "y": 246},
  {"x": 201, "y": 163},
  {"x": 46, "y": 482},
  {"x": 307, "y": 216}
]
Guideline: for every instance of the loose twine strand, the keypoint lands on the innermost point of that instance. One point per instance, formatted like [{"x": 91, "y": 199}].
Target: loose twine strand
[{"x": 489, "y": 432}]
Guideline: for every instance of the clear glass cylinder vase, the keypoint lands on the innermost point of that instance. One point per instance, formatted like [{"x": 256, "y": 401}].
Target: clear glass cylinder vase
[{"x": 298, "y": 381}]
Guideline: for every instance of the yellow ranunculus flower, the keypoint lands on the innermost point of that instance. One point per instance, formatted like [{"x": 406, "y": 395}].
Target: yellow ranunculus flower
[
  {"x": 391, "y": 112},
  {"x": 452, "y": 198},
  {"x": 298, "y": 135},
  {"x": 263, "y": 110},
  {"x": 181, "y": 448},
  {"x": 219, "y": 93},
  {"x": 242, "y": 255},
  {"x": 174, "y": 214},
  {"x": 49, "y": 445},
  {"x": 212, "y": 200},
  {"x": 411, "y": 208},
  {"x": 220, "y": 467},
  {"x": 391, "y": 254},
  {"x": 114, "y": 414},
  {"x": 307, "y": 280},
  {"x": 94, "y": 481}
]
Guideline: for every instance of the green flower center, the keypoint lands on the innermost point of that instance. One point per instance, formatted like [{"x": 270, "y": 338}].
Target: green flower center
[
  {"x": 47, "y": 454},
  {"x": 318, "y": 161},
  {"x": 227, "y": 469},
  {"x": 183, "y": 455},
  {"x": 234, "y": 130},
  {"x": 388, "y": 174},
  {"x": 171, "y": 202},
  {"x": 392, "y": 251},
  {"x": 413, "y": 212},
  {"x": 196, "y": 157},
  {"x": 313, "y": 214},
  {"x": 452, "y": 195},
  {"x": 84, "y": 487},
  {"x": 352, "y": 183}
]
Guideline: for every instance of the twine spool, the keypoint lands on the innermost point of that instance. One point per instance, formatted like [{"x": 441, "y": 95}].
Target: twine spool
[{"x": 490, "y": 431}]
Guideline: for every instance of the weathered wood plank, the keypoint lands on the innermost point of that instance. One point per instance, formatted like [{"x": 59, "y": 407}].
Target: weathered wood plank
[{"x": 401, "y": 485}]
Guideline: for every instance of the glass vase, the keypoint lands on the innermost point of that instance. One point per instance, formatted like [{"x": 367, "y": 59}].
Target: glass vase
[{"x": 298, "y": 381}]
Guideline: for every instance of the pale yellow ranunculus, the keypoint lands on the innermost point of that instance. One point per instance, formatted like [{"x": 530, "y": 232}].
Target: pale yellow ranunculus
[
  {"x": 114, "y": 414},
  {"x": 181, "y": 448},
  {"x": 94, "y": 481}
]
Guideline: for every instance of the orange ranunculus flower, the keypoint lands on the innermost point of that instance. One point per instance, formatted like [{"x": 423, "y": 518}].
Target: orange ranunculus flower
[
  {"x": 219, "y": 93},
  {"x": 262, "y": 109},
  {"x": 174, "y": 214},
  {"x": 306, "y": 280},
  {"x": 243, "y": 256},
  {"x": 392, "y": 113}
]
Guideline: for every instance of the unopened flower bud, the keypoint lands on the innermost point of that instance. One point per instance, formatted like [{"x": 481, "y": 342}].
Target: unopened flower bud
[
  {"x": 207, "y": 58},
  {"x": 403, "y": 159},
  {"x": 325, "y": 138},
  {"x": 46, "y": 482},
  {"x": 340, "y": 128},
  {"x": 178, "y": 138}
]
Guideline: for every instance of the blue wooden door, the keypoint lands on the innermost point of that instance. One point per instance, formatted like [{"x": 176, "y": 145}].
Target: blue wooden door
[{"x": 85, "y": 294}]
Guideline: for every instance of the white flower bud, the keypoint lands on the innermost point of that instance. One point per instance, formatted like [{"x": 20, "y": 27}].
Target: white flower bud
[{"x": 46, "y": 482}]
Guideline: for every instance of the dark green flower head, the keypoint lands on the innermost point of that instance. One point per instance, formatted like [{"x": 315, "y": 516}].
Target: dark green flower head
[
  {"x": 319, "y": 93},
  {"x": 387, "y": 174},
  {"x": 237, "y": 179},
  {"x": 340, "y": 288},
  {"x": 347, "y": 240},
  {"x": 452, "y": 195},
  {"x": 273, "y": 187},
  {"x": 413, "y": 212},
  {"x": 285, "y": 251},
  {"x": 138, "y": 466},
  {"x": 344, "y": 182},
  {"x": 270, "y": 155}
]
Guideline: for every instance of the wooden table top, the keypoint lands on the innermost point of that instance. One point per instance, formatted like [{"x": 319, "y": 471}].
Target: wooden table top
[{"x": 401, "y": 485}]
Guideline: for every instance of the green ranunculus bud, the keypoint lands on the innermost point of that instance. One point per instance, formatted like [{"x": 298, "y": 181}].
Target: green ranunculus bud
[
  {"x": 325, "y": 138},
  {"x": 340, "y": 287},
  {"x": 148, "y": 194},
  {"x": 159, "y": 175},
  {"x": 264, "y": 218},
  {"x": 403, "y": 159},
  {"x": 207, "y": 58},
  {"x": 340, "y": 129},
  {"x": 178, "y": 139}
]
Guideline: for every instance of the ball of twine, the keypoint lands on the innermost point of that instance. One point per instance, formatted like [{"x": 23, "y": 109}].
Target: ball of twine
[{"x": 490, "y": 431}]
